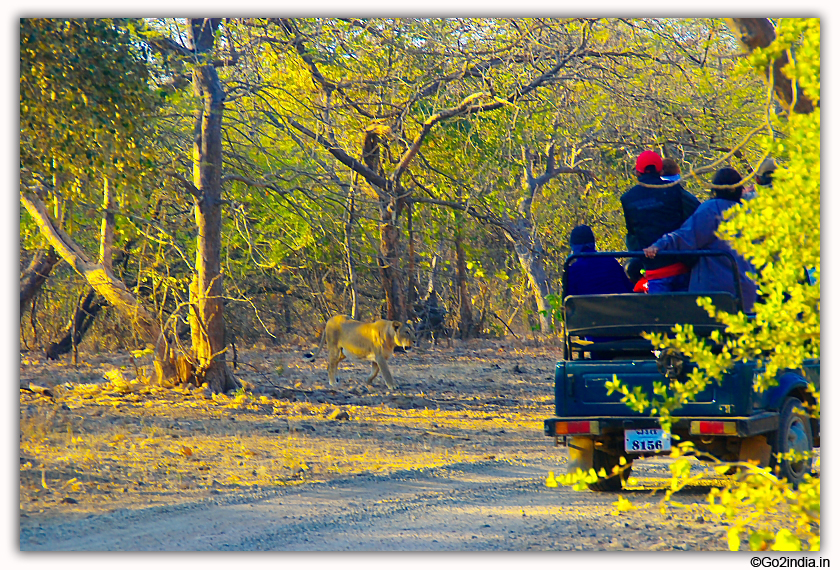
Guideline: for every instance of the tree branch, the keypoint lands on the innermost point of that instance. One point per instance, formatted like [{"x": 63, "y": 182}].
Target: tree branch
[
  {"x": 341, "y": 155},
  {"x": 186, "y": 183},
  {"x": 256, "y": 183},
  {"x": 756, "y": 33}
]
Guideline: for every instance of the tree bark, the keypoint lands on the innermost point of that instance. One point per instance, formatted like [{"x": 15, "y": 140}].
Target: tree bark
[
  {"x": 759, "y": 33},
  {"x": 465, "y": 321},
  {"x": 106, "y": 239},
  {"x": 389, "y": 260},
  {"x": 465, "y": 313},
  {"x": 411, "y": 293},
  {"x": 207, "y": 318},
  {"x": 36, "y": 275},
  {"x": 348, "y": 245},
  {"x": 529, "y": 253},
  {"x": 79, "y": 324},
  {"x": 107, "y": 285},
  {"x": 524, "y": 238}
]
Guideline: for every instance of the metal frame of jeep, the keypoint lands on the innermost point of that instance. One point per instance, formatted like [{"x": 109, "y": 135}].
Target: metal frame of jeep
[{"x": 728, "y": 420}]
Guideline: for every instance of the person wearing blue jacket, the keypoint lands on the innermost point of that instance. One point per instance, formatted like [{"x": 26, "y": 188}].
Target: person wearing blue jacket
[
  {"x": 711, "y": 273},
  {"x": 593, "y": 275}
]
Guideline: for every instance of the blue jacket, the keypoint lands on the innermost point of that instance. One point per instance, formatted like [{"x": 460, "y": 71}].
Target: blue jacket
[
  {"x": 596, "y": 276},
  {"x": 710, "y": 273}
]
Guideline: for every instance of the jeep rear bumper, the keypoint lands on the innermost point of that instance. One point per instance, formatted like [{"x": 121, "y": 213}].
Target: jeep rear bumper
[{"x": 731, "y": 426}]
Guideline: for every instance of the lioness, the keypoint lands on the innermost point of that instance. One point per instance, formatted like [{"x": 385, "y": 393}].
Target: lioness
[{"x": 366, "y": 341}]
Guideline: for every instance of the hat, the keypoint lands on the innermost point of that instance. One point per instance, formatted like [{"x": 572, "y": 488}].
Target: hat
[
  {"x": 764, "y": 174},
  {"x": 726, "y": 176},
  {"x": 581, "y": 235},
  {"x": 648, "y": 158},
  {"x": 768, "y": 165}
]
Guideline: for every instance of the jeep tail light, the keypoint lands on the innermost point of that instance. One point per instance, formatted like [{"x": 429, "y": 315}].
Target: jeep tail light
[
  {"x": 713, "y": 428},
  {"x": 586, "y": 427}
]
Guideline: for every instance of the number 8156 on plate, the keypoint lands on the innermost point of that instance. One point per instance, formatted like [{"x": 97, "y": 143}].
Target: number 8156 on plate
[{"x": 643, "y": 440}]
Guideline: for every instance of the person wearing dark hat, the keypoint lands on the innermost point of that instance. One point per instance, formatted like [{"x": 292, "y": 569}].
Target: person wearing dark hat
[
  {"x": 652, "y": 208},
  {"x": 711, "y": 274},
  {"x": 593, "y": 275}
]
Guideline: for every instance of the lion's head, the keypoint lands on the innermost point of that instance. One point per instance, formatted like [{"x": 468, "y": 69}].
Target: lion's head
[{"x": 403, "y": 334}]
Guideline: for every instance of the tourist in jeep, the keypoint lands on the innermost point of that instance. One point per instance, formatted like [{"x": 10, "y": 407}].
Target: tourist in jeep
[
  {"x": 711, "y": 273},
  {"x": 652, "y": 208},
  {"x": 593, "y": 275}
]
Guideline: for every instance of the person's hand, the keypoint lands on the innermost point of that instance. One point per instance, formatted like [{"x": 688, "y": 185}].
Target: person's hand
[{"x": 651, "y": 251}]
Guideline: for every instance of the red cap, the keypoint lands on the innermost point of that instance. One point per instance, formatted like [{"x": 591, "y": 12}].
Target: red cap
[{"x": 648, "y": 158}]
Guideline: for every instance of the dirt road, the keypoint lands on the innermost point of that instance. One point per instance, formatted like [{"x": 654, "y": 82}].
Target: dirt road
[{"x": 492, "y": 505}]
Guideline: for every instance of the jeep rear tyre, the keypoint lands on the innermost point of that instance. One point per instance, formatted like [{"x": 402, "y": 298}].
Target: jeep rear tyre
[
  {"x": 584, "y": 455},
  {"x": 612, "y": 483},
  {"x": 794, "y": 435}
]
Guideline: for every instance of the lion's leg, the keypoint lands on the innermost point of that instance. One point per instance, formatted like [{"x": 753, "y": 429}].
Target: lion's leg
[
  {"x": 383, "y": 366},
  {"x": 374, "y": 370},
  {"x": 335, "y": 356}
]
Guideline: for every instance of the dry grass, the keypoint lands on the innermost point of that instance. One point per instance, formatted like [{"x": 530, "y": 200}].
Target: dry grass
[{"x": 106, "y": 438}]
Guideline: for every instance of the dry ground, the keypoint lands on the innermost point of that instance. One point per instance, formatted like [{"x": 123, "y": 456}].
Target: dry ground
[
  {"x": 105, "y": 443},
  {"x": 104, "y": 439}
]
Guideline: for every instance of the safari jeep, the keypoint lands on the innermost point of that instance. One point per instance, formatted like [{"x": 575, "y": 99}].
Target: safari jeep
[{"x": 728, "y": 420}]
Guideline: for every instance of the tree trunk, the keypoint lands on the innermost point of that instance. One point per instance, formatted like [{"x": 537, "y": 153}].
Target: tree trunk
[
  {"x": 348, "y": 246},
  {"x": 107, "y": 285},
  {"x": 106, "y": 239},
  {"x": 465, "y": 322},
  {"x": 529, "y": 253},
  {"x": 36, "y": 275},
  {"x": 390, "y": 207},
  {"x": 79, "y": 324},
  {"x": 411, "y": 293},
  {"x": 522, "y": 235},
  {"x": 389, "y": 260},
  {"x": 208, "y": 335},
  {"x": 756, "y": 33}
]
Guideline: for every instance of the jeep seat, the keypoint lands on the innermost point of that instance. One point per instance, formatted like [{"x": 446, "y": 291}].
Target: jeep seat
[{"x": 613, "y": 324}]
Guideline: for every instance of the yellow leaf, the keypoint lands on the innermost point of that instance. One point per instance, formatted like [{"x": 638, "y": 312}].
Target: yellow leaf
[
  {"x": 721, "y": 469},
  {"x": 786, "y": 541},
  {"x": 623, "y": 505},
  {"x": 734, "y": 539}
]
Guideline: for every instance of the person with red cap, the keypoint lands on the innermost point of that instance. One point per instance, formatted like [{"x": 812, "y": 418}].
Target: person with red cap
[{"x": 653, "y": 208}]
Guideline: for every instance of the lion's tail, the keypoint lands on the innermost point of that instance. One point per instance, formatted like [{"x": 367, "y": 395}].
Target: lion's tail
[{"x": 310, "y": 356}]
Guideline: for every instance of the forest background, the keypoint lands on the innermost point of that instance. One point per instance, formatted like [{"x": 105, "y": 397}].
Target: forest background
[{"x": 243, "y": 180}]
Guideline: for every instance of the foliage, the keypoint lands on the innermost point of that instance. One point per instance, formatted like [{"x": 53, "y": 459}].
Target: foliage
[
  {"x": 637, "y": 83},
  {"x": 779, "y": 233}
]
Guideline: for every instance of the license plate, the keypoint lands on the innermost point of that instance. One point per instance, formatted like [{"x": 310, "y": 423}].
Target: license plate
[{"x": 644, "y": 440}]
